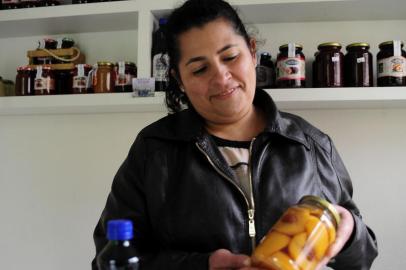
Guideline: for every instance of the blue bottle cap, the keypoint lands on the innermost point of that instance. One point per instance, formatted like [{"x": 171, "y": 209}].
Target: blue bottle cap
[
  {"x": 119, "y": 229},
  {"x": 163, "y": 21}
]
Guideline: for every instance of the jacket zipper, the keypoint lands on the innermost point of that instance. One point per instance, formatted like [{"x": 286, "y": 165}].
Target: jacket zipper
[{"x": 250, "y": 203}]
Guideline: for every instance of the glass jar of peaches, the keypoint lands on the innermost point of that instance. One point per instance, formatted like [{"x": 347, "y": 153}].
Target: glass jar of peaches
[{"x": 300, "y": 238}]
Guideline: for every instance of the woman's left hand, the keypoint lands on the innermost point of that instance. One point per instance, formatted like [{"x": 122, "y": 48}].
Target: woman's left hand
[{"x": 344, "y": 232}]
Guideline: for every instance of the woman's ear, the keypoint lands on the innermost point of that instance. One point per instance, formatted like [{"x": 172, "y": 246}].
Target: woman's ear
[
  {"x": 253, "y": 50},
  {"x": 176, "y": 76}
]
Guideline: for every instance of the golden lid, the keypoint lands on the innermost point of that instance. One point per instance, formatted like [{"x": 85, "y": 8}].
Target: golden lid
[
  {"x": 358, "y": 44},
  {"x": 297, "y": 45},
  {"x": 325, "y": 204},
  {"x": 104, "y": 63},
  {"x": 329, "y": 44},
  {"x": 390, "y": 42}
]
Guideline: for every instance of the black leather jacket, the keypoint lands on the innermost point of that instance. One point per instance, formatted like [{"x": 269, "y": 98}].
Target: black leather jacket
[{"x": 180, "y": 194}]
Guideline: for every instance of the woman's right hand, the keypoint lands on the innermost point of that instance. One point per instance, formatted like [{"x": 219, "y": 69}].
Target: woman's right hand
[{"x": 225, "y": 260}]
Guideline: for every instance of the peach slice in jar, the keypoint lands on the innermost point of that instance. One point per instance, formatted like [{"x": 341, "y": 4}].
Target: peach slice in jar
[
  {"x": 318, "y": 236},
  {"x": 301, "y": 253},
  {"x": 271, "y": 243},
  {"x": 293, "y": 221},
  {"x": 281, "y": 261}
]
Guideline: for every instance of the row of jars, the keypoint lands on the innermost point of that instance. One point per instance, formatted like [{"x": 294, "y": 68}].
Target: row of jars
[
  {"x": 104, "y": 77},
  {"x": 14, "y": 4},
  {"x": 331, "y": 68}
]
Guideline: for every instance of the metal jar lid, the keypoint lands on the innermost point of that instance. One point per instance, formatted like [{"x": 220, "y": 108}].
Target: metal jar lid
[
  {"x": 105, "y": 63},
  {"x": 329, "y": 44},
  {"x": 390, "y": 42},
  {"x": 298, "y": 46},
  {"x": 325, "y": 204},
  {"x": 358, "y": 44}
]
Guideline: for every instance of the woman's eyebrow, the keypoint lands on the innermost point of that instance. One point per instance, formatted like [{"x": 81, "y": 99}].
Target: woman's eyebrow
[{"x": 201, "y": 58}]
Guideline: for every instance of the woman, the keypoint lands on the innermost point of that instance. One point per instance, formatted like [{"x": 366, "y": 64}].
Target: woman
[{"x": 205, "y": 184}]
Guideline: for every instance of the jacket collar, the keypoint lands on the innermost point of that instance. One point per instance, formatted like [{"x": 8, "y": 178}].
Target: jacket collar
[{"x": 188, "y": 125}]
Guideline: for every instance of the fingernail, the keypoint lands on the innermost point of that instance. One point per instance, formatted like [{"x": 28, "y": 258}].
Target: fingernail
[{"x": 247, "y": 262}]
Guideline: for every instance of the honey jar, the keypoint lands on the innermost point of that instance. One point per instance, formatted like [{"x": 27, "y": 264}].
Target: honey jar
[
  {"x": 300, "y": 238},
  {"x": 104, "y": 78}
]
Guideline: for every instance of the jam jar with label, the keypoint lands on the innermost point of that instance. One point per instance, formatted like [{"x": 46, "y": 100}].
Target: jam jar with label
[
  {"x": 391, "y": 61},
  {"x": 125, "y": 72},
  {"x": 301, "y": 238},
  {"x": 290, "y": 66},
  {"x": 329, "y": 66},
  {"x": 358, "y": 65},
  {"x": 25, "y": 81},
  {"x": 82, "y": 79},
  {"x": 265, "y": 71},
  {"x": 104, "y": 78},
  {"x": 44, "y": 83}
]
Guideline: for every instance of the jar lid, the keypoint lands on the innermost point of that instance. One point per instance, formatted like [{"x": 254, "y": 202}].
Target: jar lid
[
  {"x": 24, "y": 68},
  {"x": 104, "y": 63},
  {"x": 68, "y": 39},
  {"x": 297, "y": 45},
  {"x": 358, "y": 44},
  {"x": 390, "y": 42},
  {"x": 329, "y": 44},
  {"x": 323, "y": 203}
]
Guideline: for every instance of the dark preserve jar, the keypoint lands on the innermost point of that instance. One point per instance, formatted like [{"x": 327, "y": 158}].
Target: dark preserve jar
[
  {"x": 81, "y": 79},
  {"x": 391, "y": 61},
  {"x": 329, "y": 66},
  {"x": 24, "y": 81},
  {"x": 63, "y": 81},
  {"x": 125, "y": 72},
  {"x": 10, "y": 4},
  {"x": 290, "y": 66},
  {"x": 358, "y": 66},
  {"x": 44, "y": 83},
  {"x": 265, "y": 71}
]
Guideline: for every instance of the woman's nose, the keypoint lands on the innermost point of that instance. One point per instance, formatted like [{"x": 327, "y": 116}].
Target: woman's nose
[{"x": 221, "y": 75}]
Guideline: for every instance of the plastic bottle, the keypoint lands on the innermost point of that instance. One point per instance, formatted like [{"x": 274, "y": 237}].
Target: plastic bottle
[
  {"x": 160, "y": 59},
  {"x": 119, "y": 253}
]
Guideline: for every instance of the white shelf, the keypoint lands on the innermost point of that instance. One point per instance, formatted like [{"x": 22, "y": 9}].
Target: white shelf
[
  {"x": 79, "y": 18},
  {"x": 286, "y": 99},
  {"x": 81, "y": 104}
]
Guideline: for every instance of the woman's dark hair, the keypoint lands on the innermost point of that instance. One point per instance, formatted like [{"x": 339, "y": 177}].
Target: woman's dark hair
[{"x": 193, "y": 13}]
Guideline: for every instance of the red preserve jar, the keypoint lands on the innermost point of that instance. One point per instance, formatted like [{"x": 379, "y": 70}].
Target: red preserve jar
[
  {"x": 44, "y": 83},
  {"x": 125, "y": 72},
  {"x": 24, "y": 81},
  {"x": 329, "y": 66},
  {"x": 358, "y": 66},
  {"x": 290, "y": 66},
  {"x": 81, "y": 79}
]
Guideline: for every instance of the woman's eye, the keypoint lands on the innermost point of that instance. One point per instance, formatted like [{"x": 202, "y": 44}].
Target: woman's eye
[
  {"x": 230, "y": 58},
  {"x": 199, "y": 71}
]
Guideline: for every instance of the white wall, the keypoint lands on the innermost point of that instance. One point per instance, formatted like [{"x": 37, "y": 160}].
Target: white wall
[{"x": 56, "y": 171}]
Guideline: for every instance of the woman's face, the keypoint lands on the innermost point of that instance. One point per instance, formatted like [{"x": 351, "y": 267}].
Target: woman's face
[{"x": 217, "y": 72}]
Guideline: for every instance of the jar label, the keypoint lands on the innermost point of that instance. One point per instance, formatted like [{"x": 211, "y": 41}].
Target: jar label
[
  {"x": 361, "y": 60},
  {"x": 80, "y": 82},
  {"x": 394, "y": 66},
  {"x": 124, "y": 79},
  {"x": 160, "y": 67},
  {"x": 290, "y": 69},
  {"x": 44, "y": 84}
]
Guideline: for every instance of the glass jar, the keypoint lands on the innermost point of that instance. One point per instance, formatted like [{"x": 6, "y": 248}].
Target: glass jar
[
  {"x": 329, "y": 67},
  {"x": 82, "y": 79},
  {"x": 10, "y": 4},
  {"x": 63, "y": 81},
  {"x": 2, "y": 88},
  {"x": 9, "y": 87},
  {"x": 358, "y": 66},
  {"x": 300, "y": 238},
  {"x": 44, "y": 83},
  {"x": 391, "y": 60},
  {"x": 104, "y": 78},
  {"x": 265, "y": 71},
  {"x": 314, "y": 70},
  {"x": 24, "y": 81},
  {"x": 125, "y": 72},
  {"x": 290, "y": 66}
]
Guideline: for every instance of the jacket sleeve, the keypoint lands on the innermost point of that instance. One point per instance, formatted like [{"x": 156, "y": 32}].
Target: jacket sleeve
[
  {"x": 361, "y": 249},
  {"x": 127, "y": 199}
]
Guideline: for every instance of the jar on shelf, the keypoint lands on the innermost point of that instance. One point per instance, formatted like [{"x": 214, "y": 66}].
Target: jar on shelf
[
  {"x": 25, "y": 81},
  {"x": 44, "y": 83},
  {"x": 9, "y": 87},
  {"x": 358, "y": 65},
  {"x": 63, "y": 81},
  {"x": 300, "y": 238},
  {"x": 329, "y": 66},
  {"x": 10, "y": 4},
  {"x": 265, "y": 71},
  {"x": 104, "y": 78},
  {"x": 82, "y": 83},
  {"x": 290, "y": 66},
  {"x": 125, "y": 72},
  {"x": 29, "y": 3},
  {"x": 2, "y": 88},
  {"x": 391, "y": 60}
]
